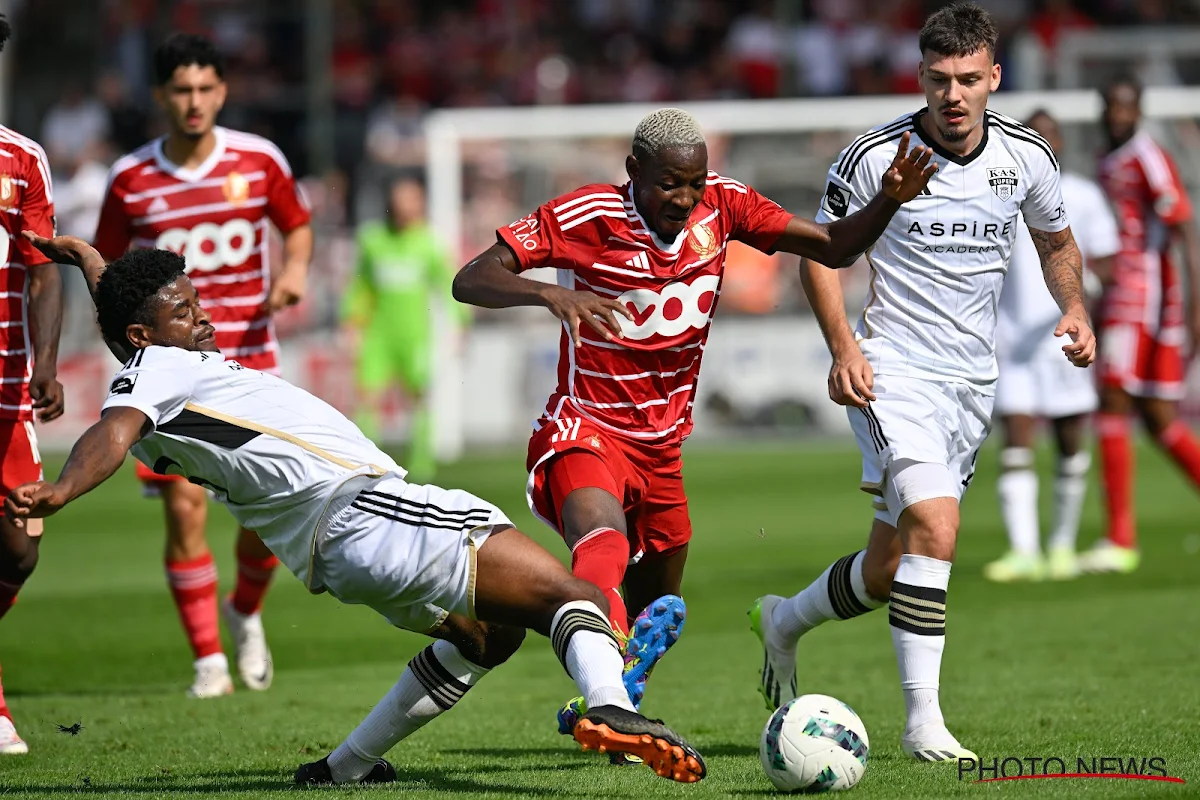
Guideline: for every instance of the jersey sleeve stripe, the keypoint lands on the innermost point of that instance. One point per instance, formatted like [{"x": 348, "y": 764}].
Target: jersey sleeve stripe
[
  {"x": 240, "y": 140},
  {"x": 1024, "y": 133},
  {"x": 34, "y": 149},
  {"x": 1155, "y": 167},
  {"x": 589, "y": 206},
  {"x": 594, "y": 196},
  {"x": 127, "y": 162},
  {"x": 592, "y": 215},
  {"x": 894, "y": 136},
  {"x": 869, "y": 138}
]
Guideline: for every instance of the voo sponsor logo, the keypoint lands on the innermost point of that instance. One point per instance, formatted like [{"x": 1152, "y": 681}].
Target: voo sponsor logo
[
  {"x": 677, "y": 308},
  {"x": 208, "y": 247}
]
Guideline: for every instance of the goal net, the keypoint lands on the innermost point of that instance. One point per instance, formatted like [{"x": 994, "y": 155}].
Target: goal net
[{"x": 766, "y": 363}]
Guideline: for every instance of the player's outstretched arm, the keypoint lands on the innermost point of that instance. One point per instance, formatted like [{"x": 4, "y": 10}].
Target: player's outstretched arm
[
  {"x": 850, "y": 377},
  {"x": 1062, "y": 269},
  {"x": 95, "y": 457},
  {"x": 45, "y": 314},
  {"x": 838, "y": 244},
  {"x": 490, "y": 280}
]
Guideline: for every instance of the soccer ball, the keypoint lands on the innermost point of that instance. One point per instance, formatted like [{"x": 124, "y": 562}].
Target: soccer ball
[{"x": 815, "y": 743}]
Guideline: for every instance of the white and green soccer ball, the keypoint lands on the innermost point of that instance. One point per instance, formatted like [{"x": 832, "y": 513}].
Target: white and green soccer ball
[{"x": 815, "y": 743}]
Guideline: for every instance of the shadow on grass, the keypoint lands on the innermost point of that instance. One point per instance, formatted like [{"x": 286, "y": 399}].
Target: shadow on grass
[{"x": 260, "y": 781}]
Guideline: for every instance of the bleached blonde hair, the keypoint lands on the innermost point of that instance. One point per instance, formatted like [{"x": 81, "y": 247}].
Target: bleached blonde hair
[{"x": 665, "y": 129}]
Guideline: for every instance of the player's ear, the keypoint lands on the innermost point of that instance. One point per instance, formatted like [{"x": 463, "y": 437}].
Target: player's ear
[
  {"x": 220, "y": 94},
  {"x": 995, "y": 77},
  {"x": 138, "y": 335},
  {"x": 632, "y": 167}
]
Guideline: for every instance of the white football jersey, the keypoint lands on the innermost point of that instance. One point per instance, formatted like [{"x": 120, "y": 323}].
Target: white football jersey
[
  {"x": 1026, "y": 305},
  {"x": 937, "y": 271},
  {"x": 272, "y": 453}
]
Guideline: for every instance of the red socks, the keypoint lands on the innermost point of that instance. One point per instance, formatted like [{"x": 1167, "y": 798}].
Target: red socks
[
  {"x": 1180, "y": 443},
  {"x": 1116, "y": 458},
  {"x": 253, "y": 578},
  {"x": 601, "y": 558},
  {"x": 4, "y": 712},
  {"x": 194, "y": 587}
]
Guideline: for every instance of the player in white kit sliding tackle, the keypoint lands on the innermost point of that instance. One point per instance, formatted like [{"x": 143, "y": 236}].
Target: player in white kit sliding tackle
[
  {"x": 338, "y": 513},
  {"x": 1036, "y": 382},
  {"x": 919, "y": 372}
]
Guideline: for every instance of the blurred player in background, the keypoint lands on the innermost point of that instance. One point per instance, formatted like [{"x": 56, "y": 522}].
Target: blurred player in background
[
  {"x": 918, "y": 374},
  {"x": 402, "y": 273},
  {"x": 639, "y": 270},
  {"x": 30, "y": 322},
  {"x": 210, "y": 193},
  {"x": 1036, "y": 382},
  {"x": 1142, "y": 366}
]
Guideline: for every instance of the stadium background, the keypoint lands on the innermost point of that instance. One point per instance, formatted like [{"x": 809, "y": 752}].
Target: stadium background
[{"x": 347, "y": 89}]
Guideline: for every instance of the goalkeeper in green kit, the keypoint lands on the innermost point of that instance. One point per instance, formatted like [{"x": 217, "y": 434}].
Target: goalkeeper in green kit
[{"x": 402, "y": 272}]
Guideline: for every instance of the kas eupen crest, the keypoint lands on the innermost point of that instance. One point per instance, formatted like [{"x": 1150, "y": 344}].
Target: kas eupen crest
[{"x": 1003, "y": 181}]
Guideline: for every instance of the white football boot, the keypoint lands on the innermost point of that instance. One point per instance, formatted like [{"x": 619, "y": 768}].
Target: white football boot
[
  {"x": 254, "y": 661},
  {"x": 933, "y": 742},
  {"x": 212, "y": 678},
  {"x": 10, "y": 743},
  {"x": 778, "y": 676}
]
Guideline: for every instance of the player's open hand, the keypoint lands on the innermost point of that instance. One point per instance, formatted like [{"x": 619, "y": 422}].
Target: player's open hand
[
  {"x": 910, "y": 171},
  {"x": 34, "y": 500},
  {"x": 1082, "y": 348},
  {"x": 599, "y": 313},
  {"x": 851, "y": 379},
  {"x": 46, "y": 393},
  {"x": 68, "y": 250}
]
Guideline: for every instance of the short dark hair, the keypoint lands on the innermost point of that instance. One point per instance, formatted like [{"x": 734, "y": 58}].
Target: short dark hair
[
  {"x": 183, "y": 50},
  {"x": 124, "y": 291},
  {"x": 960, "y": 29},
  {"x": 1124, "y": 79},
  {"x": 5, "y": 31}
]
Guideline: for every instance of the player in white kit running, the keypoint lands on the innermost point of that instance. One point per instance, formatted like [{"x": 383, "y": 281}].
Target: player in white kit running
[
  {"x": 919, "y": 372},
  {"x": 338, "y": 513},
  {"x": 1036, "y": 382}
]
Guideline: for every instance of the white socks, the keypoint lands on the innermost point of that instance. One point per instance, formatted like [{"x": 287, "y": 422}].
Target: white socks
[
  {"x": 1018, "y": 490},
  {"x": 1070, "y": 487},
  {"x": 434, "y": 681},
  {"x": 587, "y": 647},
  {"x": 918, "y": 619},
  {"x": 840, "y": 593}
]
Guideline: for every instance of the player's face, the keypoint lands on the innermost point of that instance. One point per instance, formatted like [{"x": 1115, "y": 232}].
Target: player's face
[
  {"x": 957, "y": 89},
  {"x": 1048, "y": 128},
  {"x": 192, "y": 99},
  {"x": 179, "y": 320},
  {"x": 1122, "y": 113},
  {"x": 407, "y": 203},
  {"x": 667, "y": 186}
]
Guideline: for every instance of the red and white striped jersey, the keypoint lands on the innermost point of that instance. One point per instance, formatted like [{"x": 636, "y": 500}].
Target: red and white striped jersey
[
  {"x": 27, "y": 203},
  {"x": 642, "y": 385},
  {"x": 1143, "y": 185},
  {"x": 216, "y": 216}
]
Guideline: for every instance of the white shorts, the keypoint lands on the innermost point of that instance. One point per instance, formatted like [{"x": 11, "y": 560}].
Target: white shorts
[
  {"x": 406, "y": 550},
  {"x": 919, "y": 440},
  {"x": 1037, "y": 380}
]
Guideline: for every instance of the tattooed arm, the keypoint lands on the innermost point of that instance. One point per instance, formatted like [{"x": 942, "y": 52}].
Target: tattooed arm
[{"x": 1062, "y": 269}]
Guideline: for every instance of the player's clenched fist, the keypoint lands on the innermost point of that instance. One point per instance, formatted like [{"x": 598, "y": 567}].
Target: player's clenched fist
[
  {"x": 910, "y": 171},
  {"x": 599, "y": 313},
  {"x": 1082, "y": 348},
  {"x": 39, "y": 499}
]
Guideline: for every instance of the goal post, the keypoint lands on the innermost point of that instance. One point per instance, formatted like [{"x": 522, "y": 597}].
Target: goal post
[{"x": 489, "y": 166}]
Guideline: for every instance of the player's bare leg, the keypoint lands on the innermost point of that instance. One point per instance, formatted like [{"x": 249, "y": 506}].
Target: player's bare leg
[
  {"x": 1070, "y": 488},
  {"x": 1117, "y": 551},
  {"x": 192, "y": 577},
  {"x": 18, "y": 559},
  {"x": 519, "y": 585},
  {"x": 242, "y": 610},
  {"x": 1017, "y": 488},
  {"x": 656, "y": 614},
  {"x": 851, "y": 586},
  {"x": 929, "y": 532}
]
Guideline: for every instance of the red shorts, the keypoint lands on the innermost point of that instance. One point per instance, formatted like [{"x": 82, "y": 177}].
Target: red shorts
[
  {"x": 1143, "y": 363},
  {"x": 151, "y": 480},
  {"x": 574, "y": 453},
  {"x": 22, "y": 463}
]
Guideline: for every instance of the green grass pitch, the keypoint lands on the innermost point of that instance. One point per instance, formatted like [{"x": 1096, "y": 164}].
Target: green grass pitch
[{"x": 1103, "y": 666}]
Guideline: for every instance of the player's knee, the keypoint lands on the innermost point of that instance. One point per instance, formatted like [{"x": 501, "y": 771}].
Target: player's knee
[
  {"x": 501, "y": 642},
  {"x": 571, "y": 589},
  {"x": 18, "y": 559},
  {"x": 879, "y": 568}
]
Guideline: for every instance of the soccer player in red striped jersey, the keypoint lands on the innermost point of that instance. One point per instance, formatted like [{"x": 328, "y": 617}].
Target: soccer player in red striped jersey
[
  {"x": 30, "y": 322},
  {"x": 210, "y": 194},
  {"x": 640, "y": 268}
]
